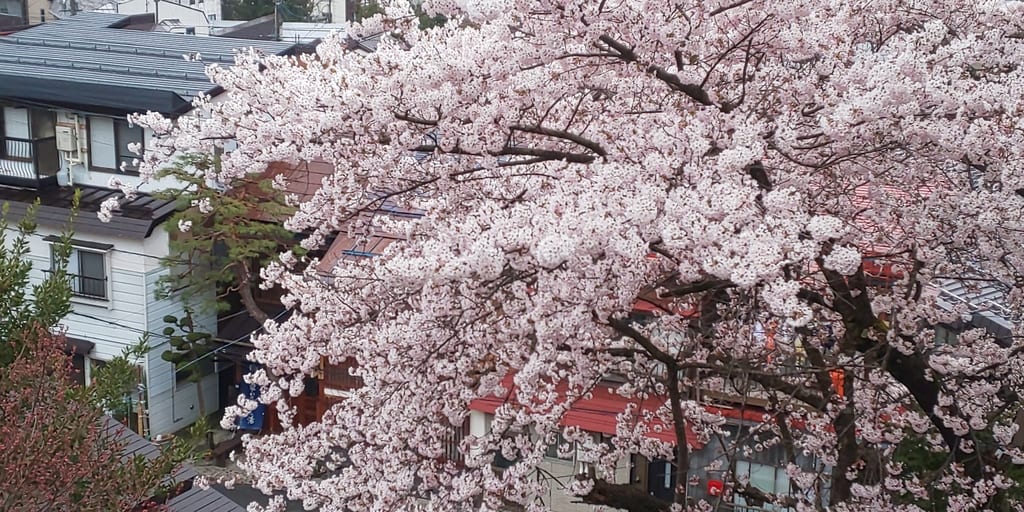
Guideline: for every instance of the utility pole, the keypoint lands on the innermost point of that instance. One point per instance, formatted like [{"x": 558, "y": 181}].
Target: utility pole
[{"x": 277, "y": 25}]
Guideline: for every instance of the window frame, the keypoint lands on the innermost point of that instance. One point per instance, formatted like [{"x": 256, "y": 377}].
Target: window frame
[
  {"x": 92, "y": 149},
  {"x": 3, "y": 132},
  {"x": 129, "y": 171},
  {"x": 82, "y": 246},
  {"x": 118, "y": 157}
]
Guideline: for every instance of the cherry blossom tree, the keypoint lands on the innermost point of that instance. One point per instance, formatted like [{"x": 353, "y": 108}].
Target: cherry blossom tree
[{"x": 816, "y": 173}]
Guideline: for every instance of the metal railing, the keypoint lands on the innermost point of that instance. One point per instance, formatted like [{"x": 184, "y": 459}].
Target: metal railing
[
  {"x": 86, "y": 286},
  {"x": 91, "y": 287},
  {"x": 28, "y": 159}
]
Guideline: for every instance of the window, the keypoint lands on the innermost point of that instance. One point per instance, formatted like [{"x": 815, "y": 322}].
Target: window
[
  {"x": 87, "y": 268},
  {"x": 126, "y": 137},
  {"x": 43, "y": 123},
  {"x": 90, "y": 276},
  {"x": 15, "y": 134},
  {"x": 109, "y": 140},
  {"x": 561, "y": 449}
]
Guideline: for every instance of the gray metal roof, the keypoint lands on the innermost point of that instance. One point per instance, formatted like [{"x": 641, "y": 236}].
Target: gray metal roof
[
  {"x": 91, "y": 60},
  {"x": 135, "y": 445},
  {"x": 194, "y": 499},
  {"x": 985, "y": 302},
  {"x": 203, "y": 500},
  {"x": 135, "y": 218}
]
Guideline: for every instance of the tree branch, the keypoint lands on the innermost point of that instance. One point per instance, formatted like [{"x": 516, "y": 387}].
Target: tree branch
[{"x": 694, "y": 91}]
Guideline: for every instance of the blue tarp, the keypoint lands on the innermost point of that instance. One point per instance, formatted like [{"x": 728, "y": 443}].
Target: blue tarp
[{"x": 254, "y": 421}]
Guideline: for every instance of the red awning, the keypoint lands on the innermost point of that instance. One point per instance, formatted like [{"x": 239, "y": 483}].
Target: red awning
[{"x": 598, "y": 413}]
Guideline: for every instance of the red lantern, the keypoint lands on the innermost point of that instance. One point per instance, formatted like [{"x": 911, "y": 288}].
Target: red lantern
[{"x": 715, "y": 487}]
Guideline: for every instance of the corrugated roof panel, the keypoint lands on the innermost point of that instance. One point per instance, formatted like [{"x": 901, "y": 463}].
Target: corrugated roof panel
[
  {"x": 179, "y": 86},
  {"x": 116, "y": 69},
  {"x": 983, "y": 298},
  {"x": 142, "y": 65},
  {"x": 193, "y": 500},
  {"x": 203, "y": 500},
  {"x": 71, "y": 31}
]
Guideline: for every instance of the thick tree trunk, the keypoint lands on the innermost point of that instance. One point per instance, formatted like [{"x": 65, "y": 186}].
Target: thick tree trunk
[
  {"x": 911, "y": 372},
  {"x": 629, "y": 497},
  {"x": 245, "y": 292},
  {"x": 848, "y": 451},
  {"x": 679, "y": 425}
]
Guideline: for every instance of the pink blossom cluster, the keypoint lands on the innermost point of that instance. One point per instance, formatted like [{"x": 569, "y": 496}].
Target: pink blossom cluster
[{"x": 822, "y": 167}]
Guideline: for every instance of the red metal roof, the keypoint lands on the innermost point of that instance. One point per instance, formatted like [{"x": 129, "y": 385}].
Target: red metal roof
[{"x": 598, "y": 412}]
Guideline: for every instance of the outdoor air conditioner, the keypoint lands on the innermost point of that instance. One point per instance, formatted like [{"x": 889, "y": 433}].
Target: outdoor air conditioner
[{"x": 66, "y": 140}]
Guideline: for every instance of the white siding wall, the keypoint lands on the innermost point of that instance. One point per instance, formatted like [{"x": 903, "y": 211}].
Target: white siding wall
[
  {"x": 131, "y": 309},
  {"x": 111, "y": 324},
  {"x": 173, "y": 407},
  {"x": 190, "y": 13},
  {"x": 97, "y": 144}
]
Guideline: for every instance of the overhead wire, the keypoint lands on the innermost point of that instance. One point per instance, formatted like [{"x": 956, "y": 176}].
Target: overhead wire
[
  {"x": 115, "y": 249},
  {"x": 232, "y": 343},
  {"x": 168, "y": 337}
]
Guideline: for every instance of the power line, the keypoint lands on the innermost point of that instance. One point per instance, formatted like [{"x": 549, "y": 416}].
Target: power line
[
  {"x": 226, "y": 345},
  {"x": 122, "y": 326},
  {"x": 115, "y": 249},
  {"x": 161, "y": 335}
]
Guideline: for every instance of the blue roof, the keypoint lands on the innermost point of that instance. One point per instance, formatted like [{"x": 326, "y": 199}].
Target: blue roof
[{"x": 91, "y": 62}]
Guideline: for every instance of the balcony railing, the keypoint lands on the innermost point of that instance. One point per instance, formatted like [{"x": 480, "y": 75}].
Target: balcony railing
[
  {"x": 91, "y": 287},
  {"x": 85, "y": 286},
  {"x": 29, "y": 162}
]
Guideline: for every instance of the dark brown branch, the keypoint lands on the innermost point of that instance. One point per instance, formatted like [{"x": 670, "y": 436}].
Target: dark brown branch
[
  {"x": 623, "y": 328},
  {"x": 545, "y": 154},
  {"x": 697, "y": 287},
  {"x": 562, "y": 134},
  {"x": 416, "y": 120},
  {"x": 724, "y": 8},
  {"x": 694, "y": 91},
  {"x": 628, "y": 497}
]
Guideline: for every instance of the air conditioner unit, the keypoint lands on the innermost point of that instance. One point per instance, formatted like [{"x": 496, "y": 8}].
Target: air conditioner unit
[{"x": 66, "y": 140}]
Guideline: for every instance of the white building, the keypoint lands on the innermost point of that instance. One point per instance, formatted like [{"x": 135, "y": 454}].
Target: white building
[
  {"x": 65, "y": 90},
  {"x": 179, "y": 16}
]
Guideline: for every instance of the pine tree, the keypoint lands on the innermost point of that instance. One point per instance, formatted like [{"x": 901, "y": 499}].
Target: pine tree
[{"x": 222, "y": 238}]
